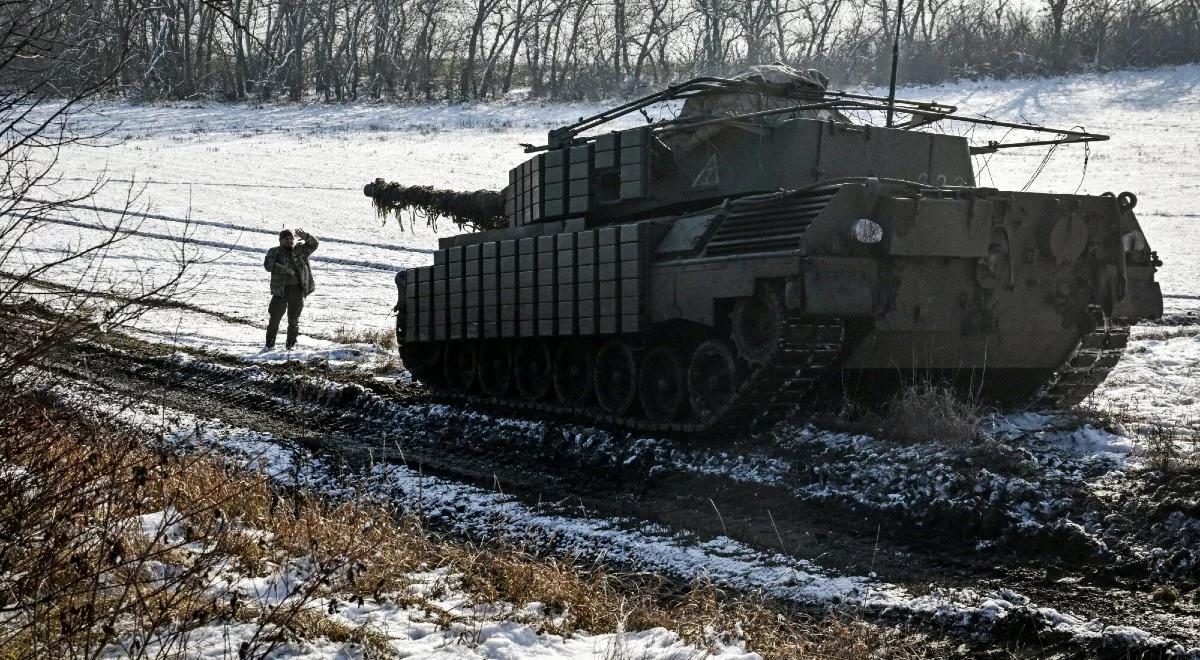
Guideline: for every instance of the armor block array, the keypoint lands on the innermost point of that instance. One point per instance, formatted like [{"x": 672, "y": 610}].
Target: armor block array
[
  {"x": 580, "y": 283},
  {"x": 572, "y": 181}
]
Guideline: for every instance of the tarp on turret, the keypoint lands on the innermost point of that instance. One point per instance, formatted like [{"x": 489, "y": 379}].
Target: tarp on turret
[{"x": 776, "y": 86}]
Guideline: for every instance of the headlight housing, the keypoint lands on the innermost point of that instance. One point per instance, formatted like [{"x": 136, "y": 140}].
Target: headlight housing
[{"x": 866, "y": 231}]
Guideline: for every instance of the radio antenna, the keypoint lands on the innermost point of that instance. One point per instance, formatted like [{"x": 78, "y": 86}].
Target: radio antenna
[{"x": 891, "y": 105}]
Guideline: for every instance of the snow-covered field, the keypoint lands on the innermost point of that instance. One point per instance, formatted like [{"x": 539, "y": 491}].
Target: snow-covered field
[{"x": 241, "y": 173}]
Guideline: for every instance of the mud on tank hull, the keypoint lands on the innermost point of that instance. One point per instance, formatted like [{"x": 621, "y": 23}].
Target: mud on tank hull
[{"x": 738, "y": 312}]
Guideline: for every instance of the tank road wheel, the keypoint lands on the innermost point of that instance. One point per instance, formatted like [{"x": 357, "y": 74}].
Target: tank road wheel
[
  {"x": 712, "y": 380},
  {"x": 616, "y": 377},
  {"x": 423, "y": 360},
  {"x": 662, "y": 384},
  {"x": 461, "y": 365},
  {"x": 532, "y": 367},
  {"x": 757, "y": 325},
  {"x": 495, "y": 368},
  {"x": 573, "y": 373}
]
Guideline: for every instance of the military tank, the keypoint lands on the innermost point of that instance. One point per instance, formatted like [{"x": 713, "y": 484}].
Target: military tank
[{"x": 717, "y": 266}]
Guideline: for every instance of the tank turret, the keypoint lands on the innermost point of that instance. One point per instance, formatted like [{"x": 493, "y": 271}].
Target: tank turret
[{"x": 717, "y": 266}]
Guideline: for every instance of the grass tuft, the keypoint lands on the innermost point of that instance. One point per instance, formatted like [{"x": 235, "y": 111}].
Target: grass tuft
[
  {"x": 1170, "y": 450},
  {"x": 927, "y": 411},
  {"x": 383, "y": 338}
]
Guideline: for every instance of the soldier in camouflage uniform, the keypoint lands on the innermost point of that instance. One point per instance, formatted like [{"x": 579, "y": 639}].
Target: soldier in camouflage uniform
[{"x": 291, "y": 282}]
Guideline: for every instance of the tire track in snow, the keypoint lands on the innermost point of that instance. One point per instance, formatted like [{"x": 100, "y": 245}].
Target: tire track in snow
[
  {"x": 391, "y": 268},
  {"x": 320, "y": 258},
  {"x": 218, "y": 184},
  {"x": 226, "y": 225}
]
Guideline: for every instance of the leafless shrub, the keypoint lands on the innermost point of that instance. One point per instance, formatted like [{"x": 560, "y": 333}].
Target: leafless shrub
[
  {"x": 1111, "y": 417},
  {"x": 1170, "y": 449},
  {"x": 99, "y": 549},
  {"x": 49, "y": 72}
]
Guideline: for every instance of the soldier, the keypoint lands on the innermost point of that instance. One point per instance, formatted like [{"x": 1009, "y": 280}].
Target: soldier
[
  {"x": 401, "y": 307},
  {"x": 291, "y": 282}
]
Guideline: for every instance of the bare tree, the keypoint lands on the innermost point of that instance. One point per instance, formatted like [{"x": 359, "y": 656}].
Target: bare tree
[
  {"x": 46, "y": 47},
  {"x": 481, "y": 11}
]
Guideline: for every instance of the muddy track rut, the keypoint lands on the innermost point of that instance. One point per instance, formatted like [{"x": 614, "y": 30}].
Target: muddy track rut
[{"x": 604, "y": 473}]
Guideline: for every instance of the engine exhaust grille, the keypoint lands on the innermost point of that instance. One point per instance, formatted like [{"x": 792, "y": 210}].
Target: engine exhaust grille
[{"x": 767, "y": 223}]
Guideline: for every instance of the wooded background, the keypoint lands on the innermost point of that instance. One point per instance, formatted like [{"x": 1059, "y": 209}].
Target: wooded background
[{"x": 341, "y": 50}]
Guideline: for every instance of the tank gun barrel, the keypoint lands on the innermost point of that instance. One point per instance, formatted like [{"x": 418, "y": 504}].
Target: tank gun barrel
[{"x": 479, "y": 209}]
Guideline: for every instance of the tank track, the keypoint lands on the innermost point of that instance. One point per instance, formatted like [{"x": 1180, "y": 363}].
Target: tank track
[
  {"x": 803, "y": 357},
  {"x": 1087, "y": 365}
]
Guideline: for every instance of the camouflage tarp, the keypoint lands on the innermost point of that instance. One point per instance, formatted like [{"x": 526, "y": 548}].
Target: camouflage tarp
[
  {"x": 479, "y": 210},
  {"x": 777, "y": 86}
]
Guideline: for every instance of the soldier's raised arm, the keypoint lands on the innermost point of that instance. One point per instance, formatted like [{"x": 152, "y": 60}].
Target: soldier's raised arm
[{"x": 310, "y": 241}]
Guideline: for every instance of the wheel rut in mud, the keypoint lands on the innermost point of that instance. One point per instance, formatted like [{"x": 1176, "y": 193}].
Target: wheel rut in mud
[{"x": 695, "y": 485}]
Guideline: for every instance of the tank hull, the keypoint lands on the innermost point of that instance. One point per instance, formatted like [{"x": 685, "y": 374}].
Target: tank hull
[{"x": 739, "y": 311}]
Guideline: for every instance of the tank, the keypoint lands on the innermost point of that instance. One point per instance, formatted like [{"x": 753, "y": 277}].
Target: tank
[{"x": 718, "y": 267}]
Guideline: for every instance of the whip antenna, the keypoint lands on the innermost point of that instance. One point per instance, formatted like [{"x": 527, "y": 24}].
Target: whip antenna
[{"x": 891, "y": 104}]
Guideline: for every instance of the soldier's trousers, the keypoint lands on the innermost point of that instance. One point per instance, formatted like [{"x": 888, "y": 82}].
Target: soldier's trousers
[{"x": 292, "y": 302}]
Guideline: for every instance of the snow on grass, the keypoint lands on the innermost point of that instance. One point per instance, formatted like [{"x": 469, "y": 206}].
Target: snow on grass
[
  {"x": 481, "y": 513},
  {"x": 447, "y": 623},
  {"x": 478, "y": 632},
  {"x": 162, "y": 526},
  {"x": 1158, "y": 378},
  {"x": 294, "y": 598}
]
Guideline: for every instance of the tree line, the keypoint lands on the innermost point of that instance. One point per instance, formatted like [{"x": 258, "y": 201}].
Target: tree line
[{"x": 342, "y": 50}]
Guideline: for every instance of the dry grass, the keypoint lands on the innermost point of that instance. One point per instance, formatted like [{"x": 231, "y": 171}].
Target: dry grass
[
  {"x": 1113, "y": 418},
  {"x": 79, "y": 571},
  {"x": 1166, "y": 332},
  {"x": 926, "y": 411},
  {"x": 389, "y": 366},
  {"x": 1170, "y": 450},
  {"x": 383, "y": 338},
  {"x": 81, "y": 576}
]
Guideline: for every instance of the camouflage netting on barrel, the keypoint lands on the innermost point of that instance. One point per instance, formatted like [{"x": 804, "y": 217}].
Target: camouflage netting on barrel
[{"x": 478, "y": 210}]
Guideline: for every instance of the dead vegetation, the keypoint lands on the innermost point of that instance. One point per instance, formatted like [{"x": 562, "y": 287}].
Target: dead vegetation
[
  {"x": 1171, "y": 450},
  {"x": 478, "y": 210},
  {"x": 928, "y": 411},
  {"x": 1168, "y": 448},
  {"x": 381, "y": 337},
  {"x": 1163, "y": 333},
  {"x": 111, "y": 543}
]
